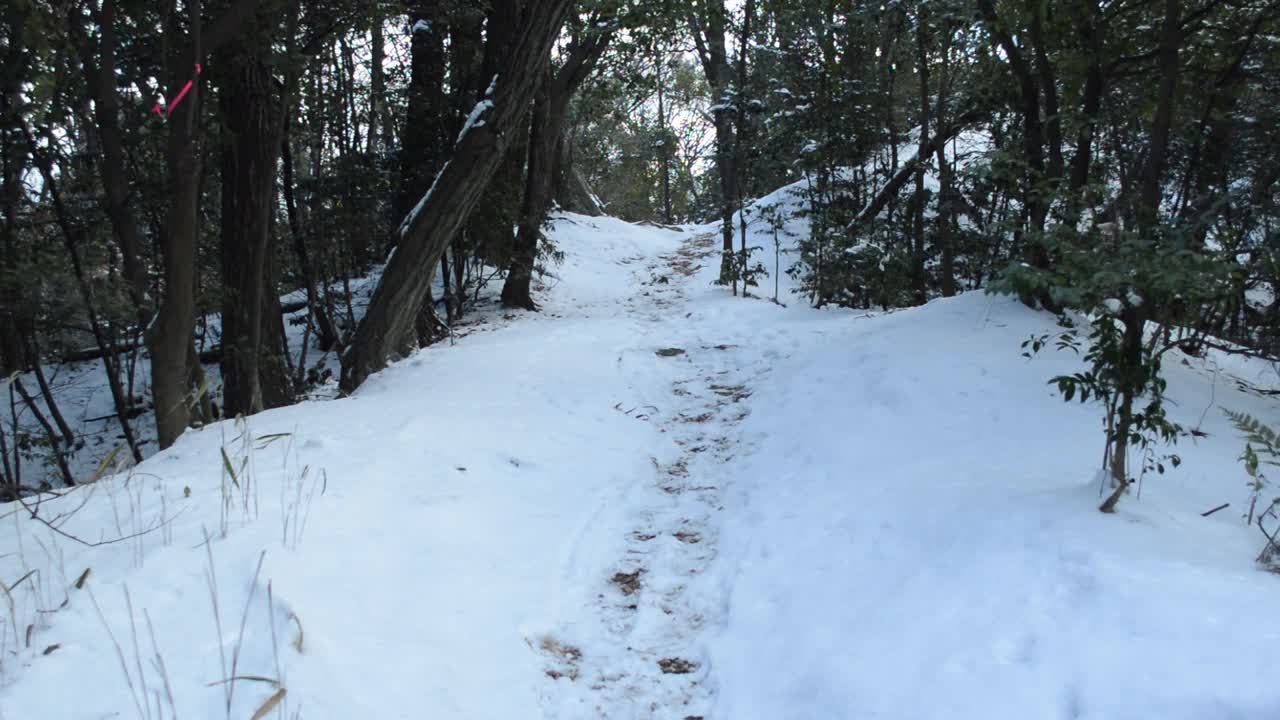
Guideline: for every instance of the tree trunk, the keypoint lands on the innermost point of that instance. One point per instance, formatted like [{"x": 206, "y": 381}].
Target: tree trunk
[
  {"x": 571, "y": 189},
  {"x": 253, "y": 116},
  {"x": 1035, "y": 198},
  {"x": 1087, "y": 29},
  {"x": 543, "y": 135},
  {"x": 468, "y": 82},
  {"x": 11, "y": 310},
  {"x": 274, "y": 379},
  {"x": 1161, "y": 124},
  {"x": 947, "y": 200},
  {"x": 907, "y": 171},
  {"x": 742, "y": 142},
  {"x": 377, "y": 82},
  {"x": 115, "y": 180},
  {"x": 424, "y": 142},
  {"x": 326, "y": 334},
  {"x": 546, "y": 132},
  {"x": 169, "y": 340},
  {"x": 919, "y": 279},
  {"x": 1134, "y": 321},
  {"x": 72, "y": 237},
  {"x": 708, "y": 25},
  {"x": 12, "y": 169},
  {"x": 438, "y": 216},
  {"x": 728, "y": 190},
  {"x": 660, "y": 63},
  {"x": 492, "y": 228}
]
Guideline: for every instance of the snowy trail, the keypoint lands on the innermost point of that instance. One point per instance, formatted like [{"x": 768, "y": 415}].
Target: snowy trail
[
  {"x": 654, "y": 500},
  {"x": 461, "y": 488},
  {"x": 896, "y": 519},
  {"x": 654, "y": 601}
]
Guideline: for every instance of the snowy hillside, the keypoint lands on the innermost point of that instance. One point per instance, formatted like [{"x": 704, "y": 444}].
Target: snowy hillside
[{"x": 654, "y": 500}]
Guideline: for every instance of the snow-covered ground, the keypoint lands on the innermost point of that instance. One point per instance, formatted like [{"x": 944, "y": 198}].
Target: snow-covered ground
[{"x": 654, "y": 500}]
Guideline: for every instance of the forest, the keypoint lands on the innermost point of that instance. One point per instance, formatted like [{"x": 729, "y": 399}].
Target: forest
[{"x": 187, "y": 185}]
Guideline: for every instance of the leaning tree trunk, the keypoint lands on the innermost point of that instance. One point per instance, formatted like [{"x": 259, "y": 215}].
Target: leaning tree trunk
[{"x": 427, "y": 230}]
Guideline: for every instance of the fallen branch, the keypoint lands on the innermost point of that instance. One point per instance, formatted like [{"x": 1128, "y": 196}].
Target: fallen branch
[{"x": 908, "y": 170}]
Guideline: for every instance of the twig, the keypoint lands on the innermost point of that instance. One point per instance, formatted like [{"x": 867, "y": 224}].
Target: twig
[{"x": 86, "y": 543}]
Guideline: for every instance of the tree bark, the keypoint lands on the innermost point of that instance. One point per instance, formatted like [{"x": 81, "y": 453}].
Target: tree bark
[
  {"x": 72, "y": 237},
  {"x": 424, "y": 142},
  {"x": 907, "y": 171},
  {"x": 660, "y": 63},
  {"x": 546, "y": 132},
  {"x": 709, "y": 38},
  {"x": 377, "y": 82},
  {"x": 492, "y": 228},
  {"x": 326, "y": 334},
  {"x": 919, "y": 279},
  {"x": 169, "y": 340},
  {"x": 1088, "y": 30},
  {"x": 11, "y": 305},
  {"x": 1161, "y": 124},
  {"x": 101, "y": 80},
  {"x": 427, "y": 230},
  {"x": 572, "y": 191},
  {"x": 13, "y": 163},
  {"x": 516, "y": 291},
  {"x": 253, "y": 117}
]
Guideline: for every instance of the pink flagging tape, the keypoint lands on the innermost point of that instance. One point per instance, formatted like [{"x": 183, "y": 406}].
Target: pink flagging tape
[{"x": 168, "y": 109}]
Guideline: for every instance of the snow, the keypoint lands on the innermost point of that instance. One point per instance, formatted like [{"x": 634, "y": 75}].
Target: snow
[
  {"x": 421, "y": 26},
  {"x": 412, "y": 217},
  {"x": 927, "y": 546},
  {"x": 473, "y": 120},
  {"x": 818, "y": 513}
]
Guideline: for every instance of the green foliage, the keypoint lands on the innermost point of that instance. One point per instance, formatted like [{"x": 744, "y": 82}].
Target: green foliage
[
  {"x": 1262, "y": 447},
  {"x": 1256, "y": 432},
  {"x": 1118, "y": 373}
]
